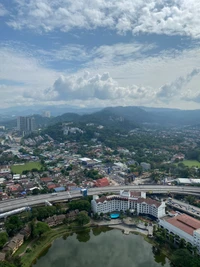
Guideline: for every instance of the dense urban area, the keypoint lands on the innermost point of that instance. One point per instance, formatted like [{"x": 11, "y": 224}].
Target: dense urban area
[{"x": 75, "y": 155}]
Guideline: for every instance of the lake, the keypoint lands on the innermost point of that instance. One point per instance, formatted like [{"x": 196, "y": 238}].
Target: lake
[{"x": 101, "y": 247}]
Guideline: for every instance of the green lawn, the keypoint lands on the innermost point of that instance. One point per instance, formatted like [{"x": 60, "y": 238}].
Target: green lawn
[
  {"x": 18, "y": 169},
  {"x": 191, "y": 163}
]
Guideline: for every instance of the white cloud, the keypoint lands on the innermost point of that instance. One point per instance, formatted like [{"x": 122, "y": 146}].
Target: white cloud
[
  {"x": 3, "y": 10},
  {"x": 133, "y": 77},
  {"x": 24, "y": 72},
  {"x": 180, "y": 17},
  {"x": 88, "y": 87},
  {"x": 170, "y": 90}
]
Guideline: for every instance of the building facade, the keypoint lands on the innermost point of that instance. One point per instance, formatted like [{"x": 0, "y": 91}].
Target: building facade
[
  {"x": 25, "y": 124},
  {"x": 184, "y": 226},
  {"x": 126, "y": 200}
]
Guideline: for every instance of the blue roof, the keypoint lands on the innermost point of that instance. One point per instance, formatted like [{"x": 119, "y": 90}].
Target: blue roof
[{"x": 59, "y": 189}]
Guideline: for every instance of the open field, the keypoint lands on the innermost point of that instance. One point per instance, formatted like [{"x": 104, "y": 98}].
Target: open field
[
  {"x": 191, "y": 163},
  {"x": 18, "y": 169}
]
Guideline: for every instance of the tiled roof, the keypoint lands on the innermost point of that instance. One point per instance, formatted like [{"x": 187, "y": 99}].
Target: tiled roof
[
  {"x": 185, "y": 222},
  {"x": 149, "y": 201}
]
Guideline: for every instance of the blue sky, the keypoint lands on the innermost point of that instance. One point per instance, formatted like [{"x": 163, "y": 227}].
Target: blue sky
[{"x": 97, "y": 53}]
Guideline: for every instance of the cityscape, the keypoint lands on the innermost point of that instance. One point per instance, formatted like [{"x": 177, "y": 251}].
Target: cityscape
[{"x": 99, "y": 133}]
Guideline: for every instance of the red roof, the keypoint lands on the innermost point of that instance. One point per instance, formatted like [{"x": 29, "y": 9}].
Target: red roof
[
  {"x": 50, "y": 186},
  {"x": 149, "y": 201},
  {"x": 46, "y": 179},
  {"x": 102, "y": 182},
  {"x": 185, "y": 222}
]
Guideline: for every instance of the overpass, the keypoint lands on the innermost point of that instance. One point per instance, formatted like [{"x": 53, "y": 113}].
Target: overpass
[{"x": 16, "y": 203}]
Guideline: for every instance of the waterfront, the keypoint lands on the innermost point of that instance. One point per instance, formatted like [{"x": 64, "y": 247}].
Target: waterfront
[{"x": 101, "y": 247}]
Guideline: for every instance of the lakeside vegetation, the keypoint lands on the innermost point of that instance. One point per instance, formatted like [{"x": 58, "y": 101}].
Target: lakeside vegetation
[
  {"x": 19, "y": 169},
  {"x": 191, "y": 163}
]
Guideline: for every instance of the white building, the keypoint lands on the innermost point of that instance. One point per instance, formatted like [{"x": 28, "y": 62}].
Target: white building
[
  {"x": 184, "y": 226},
  {"x": 126, "y": 200}
]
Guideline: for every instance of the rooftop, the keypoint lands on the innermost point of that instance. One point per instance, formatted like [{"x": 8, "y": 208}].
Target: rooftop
[{"x": 185, "y": 223}]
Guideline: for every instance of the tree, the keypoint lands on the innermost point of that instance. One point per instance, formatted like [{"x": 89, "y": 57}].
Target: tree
[
  {"x": 80, "y": 205},
  {"x": 101, "y": 214},
  {"x": 182, "y": 258},
  {"x": 40, "y": 228},
  {"x": 3, "y": 239},
  {"x": 154, "y": 229},
  {"x": 6, "y": 264},
  {"x": 182, "y": 243},
  {"x": 35, "y": 191},
  {"x": 13, "y": 225},
  {"x": 82, "y": 218}
]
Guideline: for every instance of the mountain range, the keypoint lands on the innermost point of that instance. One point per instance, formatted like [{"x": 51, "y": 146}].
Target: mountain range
[{"x": 129, "y": 114}]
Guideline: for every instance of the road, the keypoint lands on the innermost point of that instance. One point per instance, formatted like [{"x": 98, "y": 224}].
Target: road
[
  {"x": 40, "y": 199},
  {"x": 183, "y": 206}
]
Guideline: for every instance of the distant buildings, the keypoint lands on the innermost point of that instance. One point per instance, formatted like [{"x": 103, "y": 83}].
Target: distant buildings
[
  {"x": 46, "y": 114},
  {"x": 145, "y": 166},
  {"x": 126, "y": 200},
  {"x": 184, "y": 226},
  {"x": 25, "y": 124}
]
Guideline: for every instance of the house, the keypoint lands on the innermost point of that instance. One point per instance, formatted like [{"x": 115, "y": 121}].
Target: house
[
  {"x": 26, "y": 232},
  {"x": 14, "y": 243},
  {"x": 46, "y": 179},
  {"x": 102, "y": 182},
  {"x": 72, "y": 215},
  {"x": 2, "y": 256},
  {"x": 55, "y": 220}
]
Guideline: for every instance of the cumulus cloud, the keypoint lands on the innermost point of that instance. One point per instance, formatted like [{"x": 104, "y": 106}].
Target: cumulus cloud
[
  {"x": 3, "y": 10},
  {"x": 168, "y": 91},
  {"x": 180, "y": 17},
  {"x": 87, "y": 87}
]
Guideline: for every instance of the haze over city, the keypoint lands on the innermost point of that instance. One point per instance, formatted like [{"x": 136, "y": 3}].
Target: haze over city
[{"x": 100, "y": 53}]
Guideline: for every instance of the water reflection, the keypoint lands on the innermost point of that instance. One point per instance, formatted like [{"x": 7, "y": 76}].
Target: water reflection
[
  {"x": 99, "y": 247},
  {"x": 159, "y": 257},
  {"x": 83, "y": 235}
]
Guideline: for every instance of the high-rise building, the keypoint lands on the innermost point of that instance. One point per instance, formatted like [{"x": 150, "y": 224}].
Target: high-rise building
[
  {"x": 46, "y": 114},
  {"x": 26, "y": 124},
  {"x": 21, "y": 124}
]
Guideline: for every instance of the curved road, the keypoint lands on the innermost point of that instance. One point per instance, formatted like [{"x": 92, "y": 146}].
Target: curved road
[{"x": 12, "y": 204}]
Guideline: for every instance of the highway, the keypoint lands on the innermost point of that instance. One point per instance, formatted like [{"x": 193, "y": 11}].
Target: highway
[{"x": 63, "y": 196}]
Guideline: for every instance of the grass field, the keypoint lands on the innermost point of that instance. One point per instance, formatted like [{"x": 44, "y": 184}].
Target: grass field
[
  {"x": 18, "y": 169},
  {"x": 191, "y": 163}
]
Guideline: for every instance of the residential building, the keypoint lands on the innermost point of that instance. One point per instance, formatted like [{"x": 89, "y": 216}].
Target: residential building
[
  {"x": 127, "y": 200},
  {"x": 14, "y": 243},
  {"x": 25, "y": 124},
  {"x": 184, "y": 226},
  {"x": 55, "y": 220},
  {"x": 101, "y": 182}
]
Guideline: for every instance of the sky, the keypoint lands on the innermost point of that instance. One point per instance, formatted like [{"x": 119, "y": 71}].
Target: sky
[{"x": 98, "y": 53}]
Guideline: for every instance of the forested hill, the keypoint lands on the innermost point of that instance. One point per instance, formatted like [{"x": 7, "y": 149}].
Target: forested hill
[{"x": 128, "y": 115}]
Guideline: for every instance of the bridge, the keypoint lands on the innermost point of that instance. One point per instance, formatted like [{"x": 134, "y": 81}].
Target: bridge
[{"x": 16, "y": 203}]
